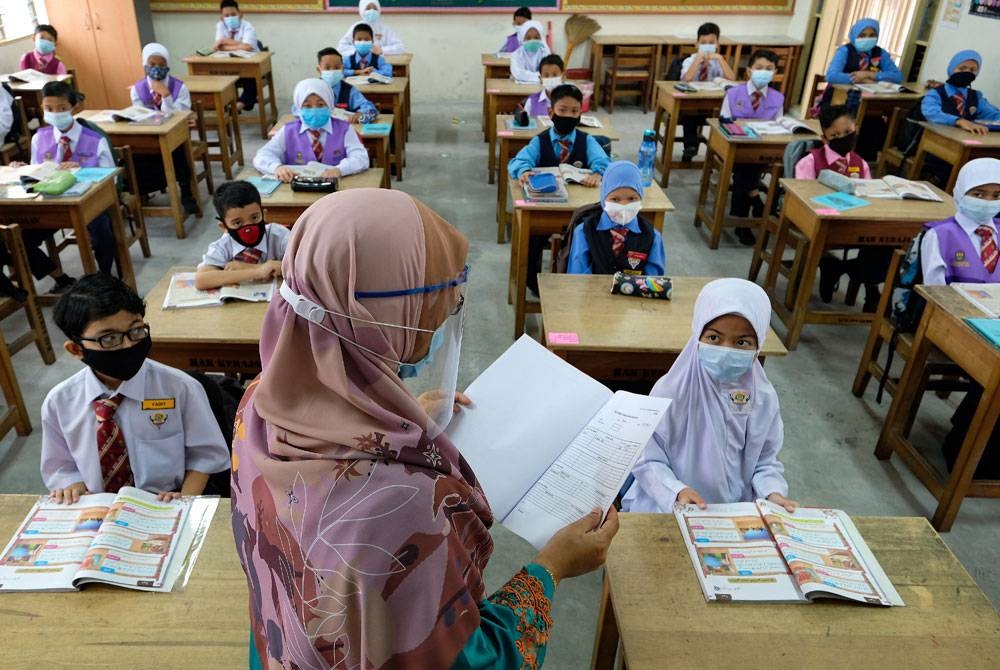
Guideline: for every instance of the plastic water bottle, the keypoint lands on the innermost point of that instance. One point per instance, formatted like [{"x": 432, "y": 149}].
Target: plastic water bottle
[{"x": 647, "y": 156}]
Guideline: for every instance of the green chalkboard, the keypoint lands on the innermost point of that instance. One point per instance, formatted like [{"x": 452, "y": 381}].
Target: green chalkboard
[{"x": 446, "y": 5}]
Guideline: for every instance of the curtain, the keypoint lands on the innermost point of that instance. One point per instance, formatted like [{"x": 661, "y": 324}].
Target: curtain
[{"x": 894, "y": 17}]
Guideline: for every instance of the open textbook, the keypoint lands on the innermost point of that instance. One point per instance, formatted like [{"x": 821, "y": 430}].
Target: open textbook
[
  {"x": 128, "y": 539},
  {"x": 984, "y": 296},
  {"x": 889, "y": 187},
  {"x": 182, "y": 293},
  {"x": 564, "y": 174},
  {"x": 548, "y": 443},
  {"x": 30, "y": 76},
  {"x": 759, "y": 551},
  {"x": 136, "y": 114},
  {"x": 784, "y": 125}
]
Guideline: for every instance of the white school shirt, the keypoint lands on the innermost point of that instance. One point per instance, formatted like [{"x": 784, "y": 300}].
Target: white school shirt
[
  {"x": 384, "y": 37},
  {"x": 524, "y": 66},
  {"x": 224, "y": 249},
  {"x": 6, "y": 113},
  {"x": 167, "y": 103},
  {"x": 104, "y": 157},
  {"x": 271, "y": 156},
  {"x": 727, "y": 113},
  {"x": 245, "y": 33},
  {"x": 162, "y": 443},
  {"x": 932, "y": 263},
  {"x": 714, "y": 69}
]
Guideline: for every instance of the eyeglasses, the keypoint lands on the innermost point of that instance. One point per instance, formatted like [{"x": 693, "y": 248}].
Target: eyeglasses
[{"x": 112, "y": 340}]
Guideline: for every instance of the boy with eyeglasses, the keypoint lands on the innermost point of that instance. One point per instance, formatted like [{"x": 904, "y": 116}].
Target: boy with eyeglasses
[{"x": 123, "y": 420}]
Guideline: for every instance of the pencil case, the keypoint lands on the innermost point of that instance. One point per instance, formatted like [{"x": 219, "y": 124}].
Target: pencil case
[
  {"x": 57, "y": 183},
  {"x": 543, "y": 182},
  {"x": 314, "y": 185},
  {"x": 642, "y": 286}
]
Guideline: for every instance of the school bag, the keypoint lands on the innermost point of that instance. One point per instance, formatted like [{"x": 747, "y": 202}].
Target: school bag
[
  {"x": 224, "y": 396},
  {"x": 16, "y": 129},
  {"x": 580, "y": 217},
  {"x": 906, "y": 304}
]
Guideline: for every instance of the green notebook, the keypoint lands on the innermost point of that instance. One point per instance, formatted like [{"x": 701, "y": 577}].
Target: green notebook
[{"x": 988, "y": 328}]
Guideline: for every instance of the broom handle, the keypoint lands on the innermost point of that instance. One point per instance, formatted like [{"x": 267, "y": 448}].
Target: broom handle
[{"x": 569, "y": 52}]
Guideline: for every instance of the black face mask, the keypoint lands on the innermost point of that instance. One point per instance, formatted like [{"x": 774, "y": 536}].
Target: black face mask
[
  {"x": 564, "y": 125},
  {"x": 962, "y": 79},
  {"x": 249, "y": 235},
  {"x": 844, "y": 145},
  {"x": 118, "y": 364}
]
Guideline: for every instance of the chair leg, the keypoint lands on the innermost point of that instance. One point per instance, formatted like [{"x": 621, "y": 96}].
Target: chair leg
[
  {"x": 851, "y": 295},
  {"x": 53, "y": 251},
  {"x": 37, "y": 324},
  {"x": 12, "y": 392},
  {"x": 209, "y": 180}
]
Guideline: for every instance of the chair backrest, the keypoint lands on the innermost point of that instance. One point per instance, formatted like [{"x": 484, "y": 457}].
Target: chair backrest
[
  {"x": 815, "y": 91},
  {"x": 674, "y": 69},
  {"x": 11, "y": 237},
  {"x": 199, "y": 124},
  {"x": 634, "y": 57},
  {"x": 794, "y": 152},
  {"x": 562, "y": 261},
  {"x": 124, "y": 160}
]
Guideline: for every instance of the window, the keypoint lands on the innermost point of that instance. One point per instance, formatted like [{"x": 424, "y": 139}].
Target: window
[
  {"x": 895, "y": 19},
  {"x": 18, "y": 18}
]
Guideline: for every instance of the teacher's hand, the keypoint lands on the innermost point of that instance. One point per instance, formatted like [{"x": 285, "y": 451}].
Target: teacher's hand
[
  {"x": 580, "y": 547},
  {"x": 433, "y": 402}
]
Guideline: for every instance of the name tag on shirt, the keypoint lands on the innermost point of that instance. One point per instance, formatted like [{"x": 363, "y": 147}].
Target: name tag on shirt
[{"x": 159, "y": 403}]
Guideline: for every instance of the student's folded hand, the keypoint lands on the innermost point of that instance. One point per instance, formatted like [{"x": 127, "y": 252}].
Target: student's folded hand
[
  {"x": 263, "y": 272},
  {"x": 688, "y": 496},
  {"x": 592, "y": 180},
  {"x": 284, "y": 174},
  {"x": 355, "y": 118},
  {"x": 165, "y": 496},
  {"x": 239, "y": 265},
  {"x": 365, "y": 70},
  {"x": 972, "y": 127},
  {"x": 68, "y": 165},
  {"x": 331, "y": 173},
  {"x": 523, "y": 179},
  {"x": 70, "y": 494},
  {"x": 779, "y": 499}
]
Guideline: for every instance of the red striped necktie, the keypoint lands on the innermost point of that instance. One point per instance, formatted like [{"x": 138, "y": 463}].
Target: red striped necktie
[
  {"x": 251, "y": 256},
  {"x": 987, "y": 248},
  {"x": 67, "y": 152},
  {"x": 316, "y": 144},
  {"x": 618, "y": 236},
  {"x": 116, "y": 471},
  {"x": 863, "y": 61},
  {"x": 755, "y": 99},
  {"x": 959, "y": 101},
  {"x": 563, "y": 150}
]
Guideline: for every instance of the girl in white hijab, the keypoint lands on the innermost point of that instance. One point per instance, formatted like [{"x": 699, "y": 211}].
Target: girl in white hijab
[
  {"x": 720, "y": 438},
  {"x": 524, "y": 62},
  {"x": 387, "y": 42},
  {"x": 159, "y": 89}
]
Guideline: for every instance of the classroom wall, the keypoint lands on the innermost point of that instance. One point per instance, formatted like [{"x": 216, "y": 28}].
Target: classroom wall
[
  {"x": 447, "y": 47},
  {"x": 10, "y": 53},
  {"x": 974, "y": 32}
]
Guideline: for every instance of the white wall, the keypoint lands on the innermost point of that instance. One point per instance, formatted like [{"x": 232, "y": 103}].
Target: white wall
[
  {"x": 447, "y": 47},
  {"x": 10, "y": 53},
  {"x": 974, "y": 32}
]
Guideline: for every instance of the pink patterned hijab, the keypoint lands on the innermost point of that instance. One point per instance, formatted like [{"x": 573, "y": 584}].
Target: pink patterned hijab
[{"x": 362, "y": 540}]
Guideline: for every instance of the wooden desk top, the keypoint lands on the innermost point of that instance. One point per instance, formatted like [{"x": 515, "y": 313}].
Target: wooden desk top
[
  {"x": 768, "y": 139},
  {"x": 762, "y": 40},
  {"x": 662, "y": 613},
  {"x": 494, "y": 59},
  {"x": 106, "y": 627},
  {"x": 635, "y": 40},
  {"x": 398, "y": 59},
  {"x": 381, "y": 118},
  {"x": 608, "y": 129},
  {"x": 236, "y": 322},
  {"x": 58, "y": 200},
  {"x": 203, "y": 83},
  {"x": 880, "y": 209},
  {"x": 667, "y": 88},
  {"x": 510, "y": 87},
  {"x": 653, "y": 200},
  {"x": 115, "y": 128},
  {"x": 991, "y": 139},
  {"x": 258, "y": 57},
  {"x": 33, "y": 86},
  {"x": 948, "y": 299},
  {"x": 584, "y": 304},
  {"x": 396, "y": 87},
  {"x": 286, "y": 197},
  {"x": 916, "y": 90}
]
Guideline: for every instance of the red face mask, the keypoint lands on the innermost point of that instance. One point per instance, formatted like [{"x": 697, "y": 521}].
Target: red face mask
[{"x": 249, "y": 235}]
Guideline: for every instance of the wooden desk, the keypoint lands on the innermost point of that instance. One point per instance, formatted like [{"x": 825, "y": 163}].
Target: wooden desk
[
  {"x": 391, "y": 98},
  {"x": 675, "y": 103},
  {"x": 546, "y": 219},
  {"x": 942, "y": 327},
  {"x": 494, "y": 67},
  {"x": 218, "y": 95},
  {"x": 401, "y": 68},
  {"x": 206, "y": 624},
  {"x": 158, "y": 140},
  {"x": 653, "y": 610},
  {"x": 890, "y": 223},
  {"x": 617, "y": 341},
  {"x": 210, "y": 339},
  {"x": 602, "y": 46},
  {"x": 512, "y": 140},
  {"x": 256, "y": 67},
  {"x": 62, "y": 213},
  {"x": 788, "y": 50},
  {"x": 502, "y": 97},
  {"x": 377, "y": 144},
  {"x": 725, "y": 152},
  {"x": 953, "y": 145},
  {"x": 879, "y": 104},
  {"x": 285, "y": 206},
  {"x": 31, "y": 92}
]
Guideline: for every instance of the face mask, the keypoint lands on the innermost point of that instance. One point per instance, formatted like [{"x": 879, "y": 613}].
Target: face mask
[
  {"x": 564, "y": 125},
  {"x": 249, "y": 235},
  {"x": 725, "y": 364},
  {"x": 232, "y": 22},
  {"x": 977, "y": 209},
  {"x": 531, "y": 46},
  {"x": 332, "y": 77},
  {"x": 761, "y": 78},
  {"x": 411, "y": 370},
  {"x": 962, "y": 79},
  {"x": 44, "y": 46},
  {"x": 157, "y": 73},
  {"x": 549, "y": 83},
  {"x": 843, "y": 145},
  {"x": 118, "y": 364},
  {"x": 60, "y": 120},
  {"x": 622, "y": 214},
  {"x": 706, "y": 48},
  {"x": 371, "y": 15},
  {"x": 315, "y": 117},
  {"x": 865, "y": 44},
  {"x": 363, "y": 48}
]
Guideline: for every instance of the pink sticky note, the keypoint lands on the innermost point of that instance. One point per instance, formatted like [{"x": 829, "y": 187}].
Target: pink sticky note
[
  {"x": 563, "y": 338},
  {"x": 493, "y": 90},
  {"x": 828, "y": 211},
  {"x": 972, "y": 141},
  {"x": 505, "y": 133},
  {"x": 679, "y": 94},
  {"x": 867, "y": 95},
  {"x": 523, "y": 203}
]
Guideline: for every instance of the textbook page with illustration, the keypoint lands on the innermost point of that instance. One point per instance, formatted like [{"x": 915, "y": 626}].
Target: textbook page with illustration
[
  {"x": 182, "y": 292},
  {"x": 548, "y": 443},
  {"x": 760, "y": 552},
  {"x": 785, "y": 125},
  {"x": 128, "y": 539},
  {"x": 984, "y": 296}
]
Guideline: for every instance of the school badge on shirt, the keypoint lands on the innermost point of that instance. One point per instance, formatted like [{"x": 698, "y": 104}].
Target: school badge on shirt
[
  {"x": 960, "y": 261},
  {"x": 739, "y": 401},
  {"x": 158, "y": 418},
  {"x": 635, "y": 259}
]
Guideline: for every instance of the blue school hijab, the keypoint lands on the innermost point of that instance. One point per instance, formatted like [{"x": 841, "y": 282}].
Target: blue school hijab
[
  {"x": 860, "y": 26},
  {"x": 620, "y": 174},
  {"x": 961, "y": 57}
]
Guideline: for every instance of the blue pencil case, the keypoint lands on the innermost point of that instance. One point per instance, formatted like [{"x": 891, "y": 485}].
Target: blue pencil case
[{"x": 543, "y": 182}]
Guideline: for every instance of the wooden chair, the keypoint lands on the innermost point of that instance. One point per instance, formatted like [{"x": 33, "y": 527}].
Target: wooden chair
[
  {"x": 815, "y": 94},
  {"x": 891, "y": 158},
  {"x": 633, "y": 67},
  {"x": 200, "y": 146},
  {"x": 21, "y": 149}
]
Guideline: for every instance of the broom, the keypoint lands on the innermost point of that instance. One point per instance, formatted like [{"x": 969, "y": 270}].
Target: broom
[{"x": 579, "y": 28}]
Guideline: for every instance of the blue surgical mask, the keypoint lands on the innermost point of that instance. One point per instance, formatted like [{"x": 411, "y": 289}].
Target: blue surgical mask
[
  {"x": 232, "y": 22},
  {"x": 977, "y": 209},
  {"x": 410, "y": 370},
  {"x": 44, "y": 46},
  {"x": 761, "y": 78},
  {"x": 363, "y": 48},
  {"x": 157, "y": 73},
  {"x": 60, "y": 120},
  {"x": 707, "y": 48},
  {"x": 531, "y": 46},
  {"x": 371, "y": 15},
  {"x": 725, "y": 364},
  {"x": 865, "y": 44},
  {"x": 332, "y": 77},
  {"x": 315, "y": 117}
]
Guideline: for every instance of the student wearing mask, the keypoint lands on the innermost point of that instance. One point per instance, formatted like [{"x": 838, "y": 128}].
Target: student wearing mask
[
  {"x": 550, "y": 69},
  {"x": 43, "y": 57},
  {"x": 956, "y": 103},
  {"x": 521, "y": 14},
  {"x": 705, "y": 64},
  {"x": 526, "y": 60},
  {"x": 234, "y": 32},
  {"x": 363, "y": 60},
  {"x": 330, "y": 66},
  {"x": 385, "y": 41}
]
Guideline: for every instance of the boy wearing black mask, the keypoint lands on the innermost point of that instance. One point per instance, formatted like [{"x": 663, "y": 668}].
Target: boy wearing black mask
[
  {"x": 123, "y": 420},
  {"x": 563, "y": 143},
  {"x": 249, "y": 250}
]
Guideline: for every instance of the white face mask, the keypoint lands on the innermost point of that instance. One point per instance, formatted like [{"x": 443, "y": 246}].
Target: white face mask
[
  {"x": 706, "y": 48},
  {"x": 725, "y": 364},
  {"x": 60, "y": 120},
  {"x": 978, "y": 209},
  {"x": 622, "y": 214},
  {"x": 549, "y": 83}
]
